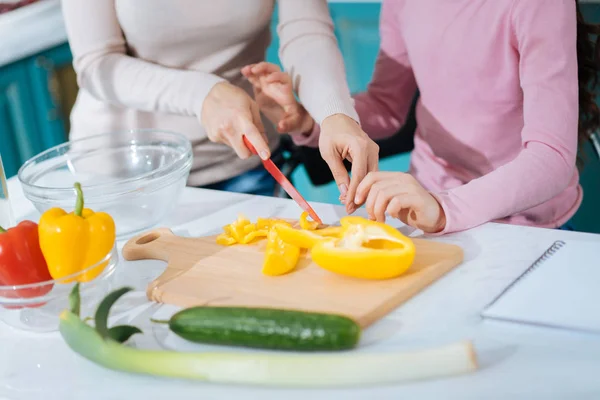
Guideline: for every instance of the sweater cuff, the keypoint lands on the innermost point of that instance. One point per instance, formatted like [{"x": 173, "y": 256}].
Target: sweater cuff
[
  {"x": 335, "y": 105},
  {"x": 199, "y": 90},
  {"x": 449, "y": 228},
  {"x": 307, "y": 139}
]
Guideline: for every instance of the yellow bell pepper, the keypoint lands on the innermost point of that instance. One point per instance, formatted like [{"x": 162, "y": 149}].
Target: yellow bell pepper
[
  {"x": 365, "y": 249},
  {"x": 306, "y": 224},
  {"x": 280, "y": 257},
  {"x": 224, "y": 239},
  {"x": 73, "y": 242},
  {"x": 306, "y": 238},
  {"x": 242, "y": 231}
]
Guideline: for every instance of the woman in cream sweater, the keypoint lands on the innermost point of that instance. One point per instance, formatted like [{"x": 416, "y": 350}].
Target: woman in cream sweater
[{"x": 175, "y": 65}]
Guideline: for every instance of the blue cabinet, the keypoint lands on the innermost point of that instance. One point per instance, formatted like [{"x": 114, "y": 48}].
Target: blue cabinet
[
  {"x": 30, "y": 114},
  {"x": 18, "y": 128},
  {"x": 46, "y": 89}
]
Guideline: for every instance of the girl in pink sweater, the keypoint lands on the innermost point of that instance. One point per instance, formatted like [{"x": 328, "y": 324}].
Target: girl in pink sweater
[{"x": 504, "y": 91}]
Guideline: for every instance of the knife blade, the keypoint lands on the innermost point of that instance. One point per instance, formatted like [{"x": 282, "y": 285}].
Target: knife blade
[{"x": 285, "y": 183}]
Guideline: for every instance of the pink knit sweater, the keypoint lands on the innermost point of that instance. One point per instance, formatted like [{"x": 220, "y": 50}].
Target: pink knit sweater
[{"x": 498, "y": 110}]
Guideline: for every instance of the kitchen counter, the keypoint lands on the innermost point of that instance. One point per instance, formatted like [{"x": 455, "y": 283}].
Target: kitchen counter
[{"x": 518, "y": 362}]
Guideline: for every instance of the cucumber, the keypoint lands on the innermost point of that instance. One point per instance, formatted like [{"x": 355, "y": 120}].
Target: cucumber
[{"x": 265, "y": 328}]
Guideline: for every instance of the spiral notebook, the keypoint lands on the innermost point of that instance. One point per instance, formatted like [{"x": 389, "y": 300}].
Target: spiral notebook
[{"x": 561, "y": 289}]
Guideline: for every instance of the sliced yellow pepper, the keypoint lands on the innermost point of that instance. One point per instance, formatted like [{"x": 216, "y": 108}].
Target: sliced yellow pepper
[
  {"x": 306, "y": 224},
  {"x": 224, "y": 239},
  {"x": 280, "y": 257},
  {"x": 75, "y": 241},
  {"x": 366, "y": 249},
  {"x": 242, "y": 231},
  {"x": 253, "y": 235},
  {"x": 331, "y": 231},
  {"x": 302, "y": 238}
]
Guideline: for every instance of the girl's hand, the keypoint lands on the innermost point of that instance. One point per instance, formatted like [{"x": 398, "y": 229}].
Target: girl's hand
[
  {"x": 400, "y": 196},
  {"x": 228, "y": 114},
  {"x": 273, "y": 91}
]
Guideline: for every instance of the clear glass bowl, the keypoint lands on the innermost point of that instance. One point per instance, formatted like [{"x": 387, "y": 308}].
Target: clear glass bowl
[
  {"x": 136, "y": 176},
  {"x": 37, "y": 307}
]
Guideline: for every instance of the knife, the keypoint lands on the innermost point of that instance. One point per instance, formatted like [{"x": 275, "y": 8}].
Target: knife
[{"x": 285, "y": 183}]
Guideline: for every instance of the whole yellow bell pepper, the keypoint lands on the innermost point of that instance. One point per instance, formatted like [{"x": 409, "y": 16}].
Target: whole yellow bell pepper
[
  {"x": 74, "y": 242},
  {"x": 365, "y": 249}
]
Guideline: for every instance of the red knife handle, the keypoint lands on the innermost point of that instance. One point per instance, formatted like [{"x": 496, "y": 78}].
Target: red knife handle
[{"x": 249, "y": 145}]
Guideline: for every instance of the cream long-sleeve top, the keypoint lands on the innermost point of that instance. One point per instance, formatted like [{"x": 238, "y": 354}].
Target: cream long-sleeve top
[{"x": 151, "y": 64}]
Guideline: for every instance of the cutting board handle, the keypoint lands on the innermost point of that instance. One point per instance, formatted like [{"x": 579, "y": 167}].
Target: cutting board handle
[{"x": 149, "y": 245}]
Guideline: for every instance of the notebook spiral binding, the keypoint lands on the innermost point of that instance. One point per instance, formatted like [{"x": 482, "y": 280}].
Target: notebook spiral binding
[{"x": 547, "y": 254}]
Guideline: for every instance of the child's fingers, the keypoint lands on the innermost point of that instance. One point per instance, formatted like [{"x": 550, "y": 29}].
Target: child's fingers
[
  {"x": 254, "y": 80},
  {"x": 247, "y": 70},
  {"x": 400, "y": 206},
  {"x": 289, "y": 122},
  {"x": 264, "y": 68},
  {"x": 278, "y": 77},
  {"x": 379, "y": 195}
]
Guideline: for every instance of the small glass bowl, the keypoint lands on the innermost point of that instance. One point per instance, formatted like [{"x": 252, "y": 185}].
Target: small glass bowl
[
  {"x": 37, "y": 307},
  {"x": 136, "y": 176}
]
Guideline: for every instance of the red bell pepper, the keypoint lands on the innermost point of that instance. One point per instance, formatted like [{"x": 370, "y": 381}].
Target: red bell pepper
[{"x": 22, "y": 263}]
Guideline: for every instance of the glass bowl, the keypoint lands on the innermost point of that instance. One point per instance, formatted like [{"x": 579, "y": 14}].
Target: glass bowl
[
  {"x": 136, "y": 176},
  {"x": 37, "y": 307}
]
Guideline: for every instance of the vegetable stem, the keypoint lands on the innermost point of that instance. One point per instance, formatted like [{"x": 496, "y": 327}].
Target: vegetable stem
[
  {"x": 2, "y": 230},
  {"x": 159, "y": 321},
  {"x": 79, "y": 202}
]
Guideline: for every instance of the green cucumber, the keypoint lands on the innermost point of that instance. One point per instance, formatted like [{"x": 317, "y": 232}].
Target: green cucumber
[{"x": 265, "y": 328}]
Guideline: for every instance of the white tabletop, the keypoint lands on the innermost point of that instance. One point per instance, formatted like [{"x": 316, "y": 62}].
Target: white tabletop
[{"x": 517, "y": 361}]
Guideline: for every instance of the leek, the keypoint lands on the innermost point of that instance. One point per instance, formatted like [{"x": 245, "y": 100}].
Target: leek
[{"x": 105, "y": 347}]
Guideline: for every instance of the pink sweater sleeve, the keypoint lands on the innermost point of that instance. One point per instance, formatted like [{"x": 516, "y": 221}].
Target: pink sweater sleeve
[
  {"x": 106, "y": 71},
  {"x": 545, "y": 35},
  {"x": 310, "y": 54},
  {"x": 384, "y": 106}
]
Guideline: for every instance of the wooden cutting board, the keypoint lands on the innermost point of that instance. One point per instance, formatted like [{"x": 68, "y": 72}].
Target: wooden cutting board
[{"x": 201, "y": 272}]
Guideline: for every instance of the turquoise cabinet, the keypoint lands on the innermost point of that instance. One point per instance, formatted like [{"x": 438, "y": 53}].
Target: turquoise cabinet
[
  {"x": 43, "y": 71},
  {"x": 18, "y": 128},
  {"x": 30, "y": 116}
]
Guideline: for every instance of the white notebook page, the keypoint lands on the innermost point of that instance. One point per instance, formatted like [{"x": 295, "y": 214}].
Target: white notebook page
[{"x": 562, "y": 291}]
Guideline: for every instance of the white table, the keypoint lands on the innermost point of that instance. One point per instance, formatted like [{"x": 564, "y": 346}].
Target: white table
[{"x": 518, "y": 361}]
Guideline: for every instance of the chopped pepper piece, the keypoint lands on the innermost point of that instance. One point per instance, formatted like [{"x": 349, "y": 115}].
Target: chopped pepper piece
[
  {"x": 302, "y": 238},
  {"x": 280, "y": 257},
  {"x": 242, "y": 231},
  {"x": 306, "y": 224},
  {"x": 251, "y": 236},
  {"x": 73, "y": 242},
  {"x": 224, "y": 239},
  {"x": 236, "y": 229},
  {"x": 366, "y": 249},
  {"x": 331, "y": 231}
]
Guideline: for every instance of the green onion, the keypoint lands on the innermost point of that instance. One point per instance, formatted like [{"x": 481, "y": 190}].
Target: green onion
[{"x": 106, "y": 347}]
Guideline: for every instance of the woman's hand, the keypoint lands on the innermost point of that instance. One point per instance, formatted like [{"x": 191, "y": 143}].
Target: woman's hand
[
  {"x": 274, "y": 93},
  {"x": 400, "y": 196},
  {"x": 229, "y": 114},
  {"x": 342, "y": 139}
]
